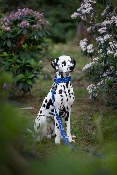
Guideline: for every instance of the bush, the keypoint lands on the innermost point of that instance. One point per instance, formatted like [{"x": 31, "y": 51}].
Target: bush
[
  {"x": 57, "y": 13},
  {"x": 103, "y": 53},
  {"x": 22, "y": 40}
]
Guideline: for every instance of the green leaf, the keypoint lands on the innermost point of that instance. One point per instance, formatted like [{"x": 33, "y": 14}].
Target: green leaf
[
  {"x": 31, "y": 76},
  {"x": 20, "y": 85},
  {"x": 32, "y": 62},
  {"x": 48, "y": 33},
  {"x": 19, "y": 77},
  {"x": 36, "y": 36},
  {"x": 25, "y": 31},
  {"x": 25, "y": 87},
  {"x": 40, "y": 34},
  {"x": 4, "y": 54},
  {"x": 8, "y": 34},
  {"x": 9, "y": 43},
  {"x": 29, "y": 81}
]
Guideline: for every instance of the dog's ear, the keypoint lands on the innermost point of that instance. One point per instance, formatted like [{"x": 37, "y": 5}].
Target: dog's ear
[
  {"x": 54, "y": 64},
  {"x": 73, "y": 61}
]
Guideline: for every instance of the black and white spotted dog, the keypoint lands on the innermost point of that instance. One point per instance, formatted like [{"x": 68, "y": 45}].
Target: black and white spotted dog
[{"x": 46, "y": 123}]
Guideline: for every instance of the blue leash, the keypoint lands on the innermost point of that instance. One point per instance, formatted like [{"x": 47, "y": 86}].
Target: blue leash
[
  {"x": 66, "y": 80},
  {"x": 62, "y": 80},
  {"x": 57, "y": 81},
  {"x": 60, "y": 122}
]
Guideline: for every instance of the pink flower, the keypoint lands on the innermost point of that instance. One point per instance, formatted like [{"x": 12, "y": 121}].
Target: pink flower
[{"x": 24, "y": 24}]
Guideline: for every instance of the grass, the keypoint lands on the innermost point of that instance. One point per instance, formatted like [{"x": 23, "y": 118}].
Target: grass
[{"x": 91, "y": 122}]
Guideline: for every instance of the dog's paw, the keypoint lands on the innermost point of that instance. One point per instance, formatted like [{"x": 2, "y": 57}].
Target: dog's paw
[
  {"x": 38, "y": 139},
  {"x": 49, "y": 136},
  {"x": 70, "y": 138},
  {"x": 57, "y": 140}
]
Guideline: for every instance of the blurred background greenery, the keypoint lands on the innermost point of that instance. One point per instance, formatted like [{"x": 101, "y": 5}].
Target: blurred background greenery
[
  {"x": 94, "y": 124},
  {"x": 56, "y": 12}
]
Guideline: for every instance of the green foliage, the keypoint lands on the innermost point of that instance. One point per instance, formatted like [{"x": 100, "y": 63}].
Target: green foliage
[
  {"x": 16, "y": 156},
  {"x": 22, "y": 41},
  {"x": 57, "y": 13},
  {"x": 5, "y": 84}
]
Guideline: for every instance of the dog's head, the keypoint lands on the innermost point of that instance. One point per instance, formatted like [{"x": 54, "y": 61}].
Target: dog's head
[{"x": 64, "y": 64}]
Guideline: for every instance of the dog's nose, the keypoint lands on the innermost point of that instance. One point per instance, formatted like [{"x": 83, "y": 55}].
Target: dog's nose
[{"x": 71, "y": 67}]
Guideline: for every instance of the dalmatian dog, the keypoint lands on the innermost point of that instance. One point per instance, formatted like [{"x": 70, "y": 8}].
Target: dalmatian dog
[{"x": 46, "y": 124}]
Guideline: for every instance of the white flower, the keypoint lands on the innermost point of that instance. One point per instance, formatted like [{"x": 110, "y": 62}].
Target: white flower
[
  {"x": 100, "y": 51},
  {"x": 102, "y": 30},
  {"x": 92, "y": 90},
  {"x": 96, "y": 59},
  {"x": 87, "y": 66},
  {"x": 90, "y": 1},
  {"x": 74, "y": 15},
  {"x": 83, "y": 44},
  {"x": 100, "y": 39},
  {"x": 115, "y": 55},
  {"x": 114, "y": 19},
  {"x": 109, "y": 51},
  {"x": 107, "y": 36},
  {"x": 90, "y": 48},
  {"x": 85, "y": 9},
  {"x": 89, "y": 29},
  {"x": 100, "y": 83},
  {"x": 106, "y": 22},
  {"x": 113, "y": 44}
]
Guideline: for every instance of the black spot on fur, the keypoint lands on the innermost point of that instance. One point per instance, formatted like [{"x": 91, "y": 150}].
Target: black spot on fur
[
  {"x": 46, "y": 101},
  {"x": 49, "y": 103},
  {"x": 60, "y": 74},
  {"x": 60, "y": 91},
  {"x": 73, "y": 62},
  {"x": 51, "y": 113},
  {"x": 52, "y": 110},
  {"x": 67, "y": 85},
  {"x": 66, "y": 118},
  {"x": 44, "y": 105},
  {"x": 64, "y": 63},
  {"x": 54, "y": 63},
  {"x": 38, "y": 126},
  {"x": 64, "y": 109},
  {"x": 40, "y": 111}
]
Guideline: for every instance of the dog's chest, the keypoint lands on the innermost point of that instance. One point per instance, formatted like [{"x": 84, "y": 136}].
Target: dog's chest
[{"x": 65, "y": 94}]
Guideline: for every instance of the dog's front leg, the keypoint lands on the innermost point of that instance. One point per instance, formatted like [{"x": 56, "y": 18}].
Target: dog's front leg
[
  {"x": 57, "y": 131},
  {"x": 68, "y": 130}
]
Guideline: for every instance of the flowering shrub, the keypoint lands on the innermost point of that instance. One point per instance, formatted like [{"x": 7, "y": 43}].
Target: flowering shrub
[
  {"x": 103, "y": 67},
  {"x": 22, "y": 39}
]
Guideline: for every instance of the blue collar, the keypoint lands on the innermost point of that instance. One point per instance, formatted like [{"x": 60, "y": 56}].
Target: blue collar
[{"x": 62, "y": 80}]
